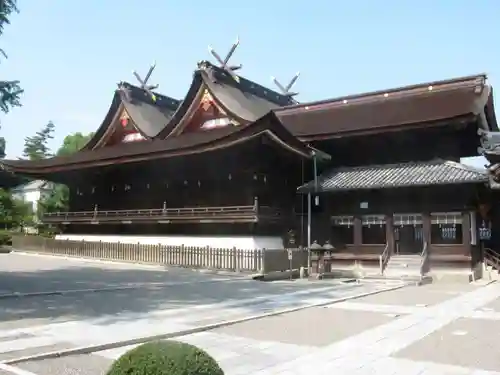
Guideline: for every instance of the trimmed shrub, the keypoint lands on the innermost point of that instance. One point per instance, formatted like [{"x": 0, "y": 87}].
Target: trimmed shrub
[{"x": 165, "y": 358}]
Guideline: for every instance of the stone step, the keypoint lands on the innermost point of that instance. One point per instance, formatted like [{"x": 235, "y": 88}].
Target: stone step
[
  {"x": 411, "y": 279},
  {"x": 403, "y": 263},
  {"x": 407, "y": 257},
  {"x": 403, "y": 266}
]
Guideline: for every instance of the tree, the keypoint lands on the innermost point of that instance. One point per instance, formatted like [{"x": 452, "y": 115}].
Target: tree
[
  {"x": 14, "y": 213},
  {"x": 36, "y": 147},
  {"x": 10, "y": 91},
  {"x": 58, "y": 199},
  {"x": 2, "y": 147},
  {"x": 73, "y": 143}
]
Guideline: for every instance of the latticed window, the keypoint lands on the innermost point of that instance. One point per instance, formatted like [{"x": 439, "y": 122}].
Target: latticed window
[
  {"x": 342, "y": 230},
  {"x": 407, "y": 219},
  {"x": 446, "y": 228},
  {"x": 446, "y": 218},
  {"x": 370, "y": 220},
  {"x": 343, "y": 221}
]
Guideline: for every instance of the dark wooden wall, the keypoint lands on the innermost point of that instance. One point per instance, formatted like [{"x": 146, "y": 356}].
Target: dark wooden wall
[
  {"x": 233, "y": 176},
  {"x": 450, "y": 142}
]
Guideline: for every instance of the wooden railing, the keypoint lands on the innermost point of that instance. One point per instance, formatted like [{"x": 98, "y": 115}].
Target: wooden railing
[
  {"x": 154, "y": 212},
  {"x": 164, "y": 212},
  {"x": 384, "y": 258},
  {"x": 425, "y": 259},
  {"x": 491, "y": 258}
]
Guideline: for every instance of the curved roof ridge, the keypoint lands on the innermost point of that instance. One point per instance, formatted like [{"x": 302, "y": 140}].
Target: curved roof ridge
[
  {"x": 141, "y": 94},
  {"x": 248, "y": 85},
  {"x": 411, "y": 90}
]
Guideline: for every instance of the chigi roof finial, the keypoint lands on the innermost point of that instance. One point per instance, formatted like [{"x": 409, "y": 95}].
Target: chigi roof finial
[
  {"x": 224, "y": 63},
  {"x": 144, "y": 82},
  {"x": 285, "y": 90},
  {"x": 125, "y": 90}
]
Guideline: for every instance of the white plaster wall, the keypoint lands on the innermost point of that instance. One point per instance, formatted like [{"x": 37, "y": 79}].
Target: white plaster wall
[
  {"x": 29, "y": 196},
  {"x": 240, "y": 242}
]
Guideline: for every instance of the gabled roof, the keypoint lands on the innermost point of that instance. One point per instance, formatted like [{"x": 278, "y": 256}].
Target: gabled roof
[
  {"x": 243, "y": 99},
  {"x": 417, "y": 105},
  {"x": 184, "y": 144},
  {"x": 33, "y": 185},
  {"x": 437, "y": 172},
  {"x": 149, "y": 116}
]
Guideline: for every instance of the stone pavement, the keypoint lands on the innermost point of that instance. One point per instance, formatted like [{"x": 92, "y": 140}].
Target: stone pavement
[
  {"x": 433, "y": 329},
  {"x": 161, "y": 301}
]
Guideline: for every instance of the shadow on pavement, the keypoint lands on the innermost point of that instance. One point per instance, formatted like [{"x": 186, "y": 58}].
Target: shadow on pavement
[{"x": 197, "y": 290}]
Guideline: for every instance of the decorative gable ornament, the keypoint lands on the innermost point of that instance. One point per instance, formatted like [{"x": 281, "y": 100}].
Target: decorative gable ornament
[{"x": 124, "y": 119}]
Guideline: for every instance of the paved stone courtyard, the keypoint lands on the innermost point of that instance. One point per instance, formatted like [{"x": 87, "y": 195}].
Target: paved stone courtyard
[{"x": 433, "y": 329}]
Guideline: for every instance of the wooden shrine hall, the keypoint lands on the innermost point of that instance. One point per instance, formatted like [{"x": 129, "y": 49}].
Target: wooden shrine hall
[{"x": 237, "y": 164}]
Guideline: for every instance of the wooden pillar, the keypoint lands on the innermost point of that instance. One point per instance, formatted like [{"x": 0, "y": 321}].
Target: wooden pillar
[
  {"x": 389, "y": 232},
  {"x": 426, "y": 228},
  {"x": 466, "y": 237},
  {"x": 358, "y": 232}
]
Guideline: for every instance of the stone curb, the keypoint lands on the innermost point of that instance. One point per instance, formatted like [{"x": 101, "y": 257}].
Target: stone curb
[
  {"x": 108, "y": 289},
  {"x": 277, "y": 275},
  {"x": 189, "y": 331},
  {"x": 14, "y": 370}
]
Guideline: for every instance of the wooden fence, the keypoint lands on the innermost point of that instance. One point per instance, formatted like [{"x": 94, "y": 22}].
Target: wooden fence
[{"x": 258, "y": 260}]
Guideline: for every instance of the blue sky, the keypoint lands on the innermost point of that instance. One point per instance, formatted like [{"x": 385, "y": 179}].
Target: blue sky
[{"x": 69, "y": 55}]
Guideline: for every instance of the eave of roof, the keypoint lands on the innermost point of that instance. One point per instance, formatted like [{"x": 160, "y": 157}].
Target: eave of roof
[
  {"x": 431, "y": 103},
  {"x": 438, "y": 172},
  {"x": 185, "y": 144}
]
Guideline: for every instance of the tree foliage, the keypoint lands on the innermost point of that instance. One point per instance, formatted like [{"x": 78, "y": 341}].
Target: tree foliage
[
  {"x": 73, "y": 143},
  {"x": 10, "y": 91},
  {"x": 37, "y": 147},
  {"x": 14, "y": 213},
  {"x": 58, "y": 199}
]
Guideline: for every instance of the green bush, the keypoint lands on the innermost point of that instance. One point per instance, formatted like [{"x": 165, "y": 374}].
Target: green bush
[{"x": 165, "y": 358}]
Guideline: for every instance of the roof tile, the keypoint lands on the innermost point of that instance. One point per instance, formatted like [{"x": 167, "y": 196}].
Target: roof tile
[{"x": 437, "y": 172}]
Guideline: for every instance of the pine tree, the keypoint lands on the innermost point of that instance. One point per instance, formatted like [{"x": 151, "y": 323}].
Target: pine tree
[{"x": 36, "y": 147}]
